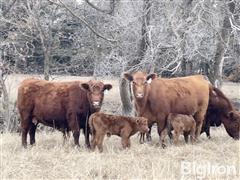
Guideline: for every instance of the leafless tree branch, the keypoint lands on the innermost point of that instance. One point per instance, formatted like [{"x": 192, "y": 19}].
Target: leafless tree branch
[
  {"x": 86, "y": 23},
  {"x": 100, "y": 10},
  {"x": 9, "y": 8}
]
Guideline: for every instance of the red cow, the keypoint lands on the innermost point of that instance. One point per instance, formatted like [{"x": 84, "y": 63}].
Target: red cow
[{"x": 62, "y": 105}]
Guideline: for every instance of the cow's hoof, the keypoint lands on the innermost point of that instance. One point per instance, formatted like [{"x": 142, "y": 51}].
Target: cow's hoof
[{"x": 164, "y": 146}]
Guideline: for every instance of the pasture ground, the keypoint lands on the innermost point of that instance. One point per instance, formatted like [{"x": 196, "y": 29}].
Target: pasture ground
[{"x": 217, "y": 158}]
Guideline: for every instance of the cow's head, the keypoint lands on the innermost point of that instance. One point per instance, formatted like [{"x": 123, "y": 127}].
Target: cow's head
[
  {"x": 232, "y": 124},
  {"x": 140, "y": 81},
  {"x": 95, "y": 93},
  {"x": 142, "y": 124}
]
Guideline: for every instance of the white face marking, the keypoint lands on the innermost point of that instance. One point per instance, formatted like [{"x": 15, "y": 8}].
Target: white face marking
[
  {"x": 139, "y": 95},
  {"x": 149, "y": 81},
  {"x": 106, "y": 92},
  {"x": 96, "y": 103}
]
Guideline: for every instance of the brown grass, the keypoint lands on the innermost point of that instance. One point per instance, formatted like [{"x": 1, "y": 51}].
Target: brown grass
[{"x": 49, "y": 159}]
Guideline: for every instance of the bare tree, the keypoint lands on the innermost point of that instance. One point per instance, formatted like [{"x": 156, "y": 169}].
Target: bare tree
[{"x": 223, "y": 36}]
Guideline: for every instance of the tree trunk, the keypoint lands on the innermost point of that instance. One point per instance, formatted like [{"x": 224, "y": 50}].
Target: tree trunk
[
  {"x": 187, "y": 67},
  {"x": 186, "y": 64},
  {"x": 6, "y": 109},
  {"x": 215, "y": 75},
  {"x": 126, "y": 97},
  {"x": 46, "y": 65},
  {"x": 144, "y": 42}
]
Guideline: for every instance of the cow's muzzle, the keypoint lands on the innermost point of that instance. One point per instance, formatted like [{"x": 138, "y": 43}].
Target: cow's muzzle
[
  {"x": 96, "y": 104},
  {"x": 139, "y": 95}
]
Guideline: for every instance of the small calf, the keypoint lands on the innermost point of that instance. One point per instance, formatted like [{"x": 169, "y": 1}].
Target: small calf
[
  {"x": 181, "y": 124},
  {"x": 102, "y": 124}
]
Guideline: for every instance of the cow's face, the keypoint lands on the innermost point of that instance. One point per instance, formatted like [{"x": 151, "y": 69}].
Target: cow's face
[
  {"x": 142, "y": 125},
  {"x": 232, "y": 124},
  {"x": 95, "y": 93},
  {"x": 140, "y": 82}
]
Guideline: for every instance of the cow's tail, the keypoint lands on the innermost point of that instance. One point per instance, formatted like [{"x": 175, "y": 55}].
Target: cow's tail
[{"x": 90, "y": 122}]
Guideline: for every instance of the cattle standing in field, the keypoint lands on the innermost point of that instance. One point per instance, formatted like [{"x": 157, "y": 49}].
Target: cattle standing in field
[
  {"x": 221, "y": 110},
  {"x": 61, "y": 105},
  {"x": 102, "y": 124},
  {"x": 155, "y": 100},
  {"x": 181, "y": 124}
]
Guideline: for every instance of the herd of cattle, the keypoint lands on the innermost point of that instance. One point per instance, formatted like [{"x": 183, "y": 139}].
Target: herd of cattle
[{"x": 186, "y": 105}]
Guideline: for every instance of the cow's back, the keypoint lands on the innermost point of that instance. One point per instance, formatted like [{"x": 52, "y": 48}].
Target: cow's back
[
  {"x": 50, "y": 100},
  {"x": 184, "y": 95}
]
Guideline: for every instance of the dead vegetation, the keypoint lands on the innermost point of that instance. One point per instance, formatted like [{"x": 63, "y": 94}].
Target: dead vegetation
[{"x": 49, "y": 159}]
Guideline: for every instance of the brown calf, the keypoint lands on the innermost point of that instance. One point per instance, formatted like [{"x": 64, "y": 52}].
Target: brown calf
[
  {"x": 181, "y": 124},
  {"x": 102, "y": 124}
]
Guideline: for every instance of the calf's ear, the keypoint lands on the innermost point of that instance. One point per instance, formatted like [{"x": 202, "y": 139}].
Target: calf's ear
[
  {"x": 152, "y": 76},
  {"x": 107, "y": 87},
  {"x": 85, "y": 86},
  {"x": 128, "y": 76}
]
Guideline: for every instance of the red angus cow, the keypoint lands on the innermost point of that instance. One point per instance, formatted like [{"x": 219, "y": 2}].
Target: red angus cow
[
  {"x": 62, "y": 105},
  {"x": 221, "y": 110}
]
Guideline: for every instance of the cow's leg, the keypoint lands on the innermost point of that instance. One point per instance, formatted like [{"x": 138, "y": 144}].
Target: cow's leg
[
  {"x": 162, "y": 132},
  {"x": 100, "y": 138},
  {"x": 199, "y": 117},
  {"x": 206, "y": 128},
  {"x": 125, "y": 142},
  {"x": 125, "y": 138},
  {"x": 24, "y": 136},
  {"x": 32, "y": 131},
  {"x": 74, "y": 126},
  {"x": 66, "y": 135},
  {"x": 176, "y": 135},
  {"x": 149, "y": 137},
  {"x": 185, "y": 134},
  {"x": 192, "y": 134},
  {"x": 142, "y": 138},
  {"x": 170, "y": 135},
  {"x": 86, "y": 132},
  {"x": 25, "y": 124},
  {"x": 93, "y": 142},
  {"x": 76, "y": 134},
  {"x": 208, "y": 132},
  {"x": 128, "y": 143}
]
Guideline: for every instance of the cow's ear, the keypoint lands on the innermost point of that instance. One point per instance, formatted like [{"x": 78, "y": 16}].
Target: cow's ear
[
  {"x": 128, "y": 76},
  {"x": 137, "y": 121},
  {"x": 151, "y": 76},
  {"x": 107, "y": 87},
  {"x": 230, "y": 114},
  {"x": 85, "y": 86}
]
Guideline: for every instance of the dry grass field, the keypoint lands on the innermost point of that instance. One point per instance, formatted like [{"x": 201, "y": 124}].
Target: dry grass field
[{"x": 217, "y": 158}]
